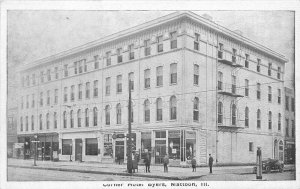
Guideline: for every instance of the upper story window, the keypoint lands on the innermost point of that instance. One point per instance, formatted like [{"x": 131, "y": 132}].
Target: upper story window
[
  {"x": 22, "y": 102},
  {"x": 279, "y": 121},
  {"x": 279, "y": 96},
  {"x": 47, "y": 121},
  {"x": 246, "y": 117},
  {"x": 56, "y": 72},
  {"x": 220, "y": 112},
  {"x": 48, "y": 97},
  {"x": 79, "y": 91},
  {"x": 160, "y": 46},
  {"x": 196, "y": 74},
  {"x": 42, "y": 76},
  {"x": 220, "y": 80},
  {"x": 119, "y": 84},
  {"x": 55, "y": 120},
  {"x": 56, "y": 96},
  {"x": 96, "y": 88},
  {"x": 108, "y": 58},
  {"x": 220, "y": 50},
  {"x": 72, "y": 93},
  {"x": 96, "y": 62},
  {"x": 269, "y": 69},
  {"x": 173, "y": 36},
  {"x": 173, "y": 73},
  {"x": 287, "y": 127},
  {"x": 293, "y": 128},
  {"x": 49, "y": 75},
  {"x": 41, "y": 121},
  {"x": 147, "y": 78},
  {"x": 107, "y": 86},
  {"x": 270, "y": 120},
  {"x": 71, "y": 118},
  {"x": 131, "y": 80},
  {"x": 270, "y": 94},
  {"x": 65, "y": 119},
  {"x": 27, "y": 101},
  {"x": 258, "y": 91},
  {"x": 119, "y": 113},
  {"x": 85, "y": 65},
  {"x": 33, "y": 79},
  {"x": 75, "y": 67},
  {"x": 80, "y": 66},
  {"x": 23, "y": 81},
  {"x": 147, "y": 47},
  {"x": 21, "y": 124},
  {"x": 247, "y": 61},
  {"x": 147, "y": 110},
  {"x": 87, "y": 90},
  {"x": 27, "y": 80},
  {"x": 258, "y": 119},
  {"x": 233, "y": 88},
  {"x": 131, "y": 52},
  {"x": 33, "y": 101},
  {"x": 233, "y": 114},
  {"x": 65, "y": 94},
  {"x": 95, "y": 116},
  {"x": 293, "y": 104},
  {"x": 159, "y": 76},
  {"x": 287, "y": 105},
  {"x": 66, "y": 70},
  {"x": 173, "y": 108},
  {"x": 41, "y": 99},
  {"x": 158, "y": 109},
  {"x": 279, "y": 73},
  {"x": 107, "y": 115},
  {"x": 119, "y": 54},
  {"x": 79, "y": 118},
  {"x": 32, "y": 123},
  {"x": 196, "y": 109},
  {"x": 26, "y": 128},
  {"x": 258, "y": 65},
  {"x": 196, "y": 42},
  {"x": 246, "y": 87},
  {"x": 234, "y": 53}
]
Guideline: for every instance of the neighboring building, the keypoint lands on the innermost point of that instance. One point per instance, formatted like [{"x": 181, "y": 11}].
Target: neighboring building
[
  {"x": 12, "y": 116},
  {"x": 197, "y": 89},
  {"x": 290, "y": 149}
]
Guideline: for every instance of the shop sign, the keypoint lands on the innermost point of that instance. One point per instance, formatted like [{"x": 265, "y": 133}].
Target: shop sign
[
  {"x": 190, "y": 134},
  {"x": 174, "y": 134},
  {"x": 146, "y": 135},
  {"x": 19, "y": 145}
]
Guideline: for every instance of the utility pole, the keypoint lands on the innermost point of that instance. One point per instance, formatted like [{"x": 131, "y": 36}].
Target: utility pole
[{"x": 129, "y": 149}]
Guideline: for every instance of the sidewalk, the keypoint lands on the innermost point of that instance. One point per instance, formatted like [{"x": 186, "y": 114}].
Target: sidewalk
[{"x": 175, "y": 173}]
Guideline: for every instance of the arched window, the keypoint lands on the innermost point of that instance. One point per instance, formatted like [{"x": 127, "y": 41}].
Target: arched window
[
  {"x": 281, "y": 150},
  {"x": 47, "y": 121},
  {"x": 258, "y": 118},
  {"x": 107, "y": 115},
  {"x": 196, "y": 109},
  {"x": 71, "y": 119},
  {"x": 21, "y": 124},
  {"x": 26, "y": 123},
  {"x": 79, "y": 118},
  {"x": 65, "y": 119},
  {"x": 41, "y": 122},
  {"x": 158, "y": 109},
  {"x": 246, "y": 117},
  {"x": 32, "y": 123},
  {"x": 87, "y": 90},
  {"x": 119, "y": 113},
  {"x": 95, "y": 115},
  {"x": 220, "y": 112},
  {"x": 55, "y": 120},
  {"x": 147, "y": 110},
  {"x": 279, "y": 121},
  {"x": 87, "y": 119},
  {"x": 270, "y": 120},
  {"x": 173, "y": 104},
  {"x": 233, "y": 114}
]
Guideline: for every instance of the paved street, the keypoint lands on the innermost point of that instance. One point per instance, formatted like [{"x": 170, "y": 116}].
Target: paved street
[{"x": 23, "y": 174}]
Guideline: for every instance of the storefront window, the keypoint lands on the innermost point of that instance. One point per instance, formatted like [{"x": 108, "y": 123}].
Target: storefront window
[
  {"x": 190, "y": 144},
  {"x": 160, "y": 134},
  {"x": 145, "y": 144},
  {"x": 108, "y": 150},
  {"x": 174, "y": 144},
  {"x": 66, "y": 146},
  {"x": 91, "y": 146}
]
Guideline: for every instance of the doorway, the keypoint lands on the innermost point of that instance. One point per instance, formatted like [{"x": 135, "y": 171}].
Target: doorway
[
  {"x": 160, "y": 151},
  {"x": 119, "y": 149},
  {"x": 78, "y": 149}
]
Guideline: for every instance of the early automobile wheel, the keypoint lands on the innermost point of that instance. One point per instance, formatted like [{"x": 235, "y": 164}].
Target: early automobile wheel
[{"x": 268, "y": 169}]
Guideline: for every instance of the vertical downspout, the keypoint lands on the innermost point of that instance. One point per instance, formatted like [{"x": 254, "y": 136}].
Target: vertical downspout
[
  {"x": 206, "y": 104},
  {"x": 182, "y": 88},
  {"x": 216, "y": 75}
]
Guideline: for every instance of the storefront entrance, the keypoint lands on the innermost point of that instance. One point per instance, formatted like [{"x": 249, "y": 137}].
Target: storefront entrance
[
  {"x": 78, "y": 149},
  {"x": 119, "y": 149},
  {"x": 160, "y": 151}
]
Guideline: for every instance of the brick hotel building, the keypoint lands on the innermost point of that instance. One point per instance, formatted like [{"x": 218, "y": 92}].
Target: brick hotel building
[{"x": 197, "y": 89}]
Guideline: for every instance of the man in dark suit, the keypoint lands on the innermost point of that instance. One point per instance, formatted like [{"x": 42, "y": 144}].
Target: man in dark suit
[{"x": 210, "y": 162}]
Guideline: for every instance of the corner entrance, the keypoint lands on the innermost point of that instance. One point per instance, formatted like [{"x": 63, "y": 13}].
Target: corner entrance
[{"x": 78, "y": 149}]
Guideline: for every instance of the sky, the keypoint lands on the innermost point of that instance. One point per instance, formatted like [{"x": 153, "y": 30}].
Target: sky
[{"x": 33, "y": 35}]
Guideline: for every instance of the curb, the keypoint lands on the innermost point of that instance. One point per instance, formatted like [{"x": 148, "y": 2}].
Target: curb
[{"x": 109, "y": 173}]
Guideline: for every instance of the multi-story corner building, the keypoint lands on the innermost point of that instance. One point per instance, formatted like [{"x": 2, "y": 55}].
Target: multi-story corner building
[
  {"x": 289, "y": 155},
  {"x": 12, "y": 116},
  {"x": 197, "y": 89}
]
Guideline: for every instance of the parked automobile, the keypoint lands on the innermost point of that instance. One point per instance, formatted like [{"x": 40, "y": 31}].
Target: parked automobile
[{"x": 270, "y": 164}]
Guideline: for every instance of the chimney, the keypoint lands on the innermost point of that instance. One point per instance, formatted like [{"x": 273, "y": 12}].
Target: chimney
[{"x": 207, "y": 17}]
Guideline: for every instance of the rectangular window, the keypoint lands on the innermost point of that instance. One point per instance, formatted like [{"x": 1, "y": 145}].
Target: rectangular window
[
  {"x": 119, "y": 84},
  {"x": 27, "y": 80},
  {"x": 250, "y": 146},
  {"x": 42, "y": 76},
  {"x": 196, "y": 74},
  {"x": 55, "y": 120},
  {"x": 66, "y": 70},
  {"x": 72, "y": 93},
  {"x": 87, "y": 90},
  {"x": 160, "y": 46},
  {"x": 48, "y": 97},
  {"x": 56, "y": 73},
  {"x": 22, "y": 102},
  {"x": 41, "y": 99},
  {"x": 96, "y": 62},
  {"x": 79, "y": 91},
  {"x": 80, "y": 66},
  {"x": 293, "y": 104},
  {"x": 147, "y": 47},
  {"x": 279, "y": 96},
  {"x": 220, "y": 51},
  {"x": 173, "y": 73},
  {"x": 107, "y": 86},
  {"x": 160, "y": 134},
  {"x": 233, "y": 88},
  {"x": 196, "y": 42},
  {"x": 33, "y": 79},
  {"x": 119, "y": 55},
  {"x": 246, "y": 87},
  {"x": 96, "y": 88},
  {"x": 131, "y": 80},
  {"x": 159, "y": 76},
  {"x": 85, "y": 65},
  {"x": 108, "y": 58},
  {"x": 21, "y": 124},
  {"x": 91, "y": 146},
  {"x": 33, "y": 101},
  {"x": 56, "y": 96},
  {"x": 131, "y": 52},
  {"x": 49, "y": 75},
  {"x": 66, "y": 146},
  {"x": 287, "y": 106},
  {"x": 279, "y": 121},
  {"x": 75, "y": 67},
  {"x": 147, "y": 78},
  {"x": 279, "y": 73},
  {"x": 220, "y": 80},
  {"x": 293, "y": 128},
  {"x": 247, "y": 61},
  {"x": 287, "y": 128},
  {"x": 258, "y": 65},
  {"x": 270, "y": 94},
  {"x": 65, "y": 94},
  {"x": 258, "y": 91},
  {"x": 173, "y": 36},
  {"x": 27, "y": 101},
  {"x": 269, "y": 69},
  {"x": 234, "y": 55}
]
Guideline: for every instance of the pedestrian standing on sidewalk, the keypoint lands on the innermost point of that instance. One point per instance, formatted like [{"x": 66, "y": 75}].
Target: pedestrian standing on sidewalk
[
  {"x": 147, "y": 162},
  {"x": 166, "y": 162},
  {"x": 210, "y": 161},
  {"x": 194, "y": 163}
]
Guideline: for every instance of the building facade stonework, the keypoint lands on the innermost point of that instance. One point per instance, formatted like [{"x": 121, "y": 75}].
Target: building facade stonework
[{"x": 197, "y": 89}]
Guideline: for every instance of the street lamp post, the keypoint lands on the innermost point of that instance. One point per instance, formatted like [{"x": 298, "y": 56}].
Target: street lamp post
[
  {"x": 70, "y": 152},
  {"x": 35, "y": 146},
  {"x": 129, "y": 142}
]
